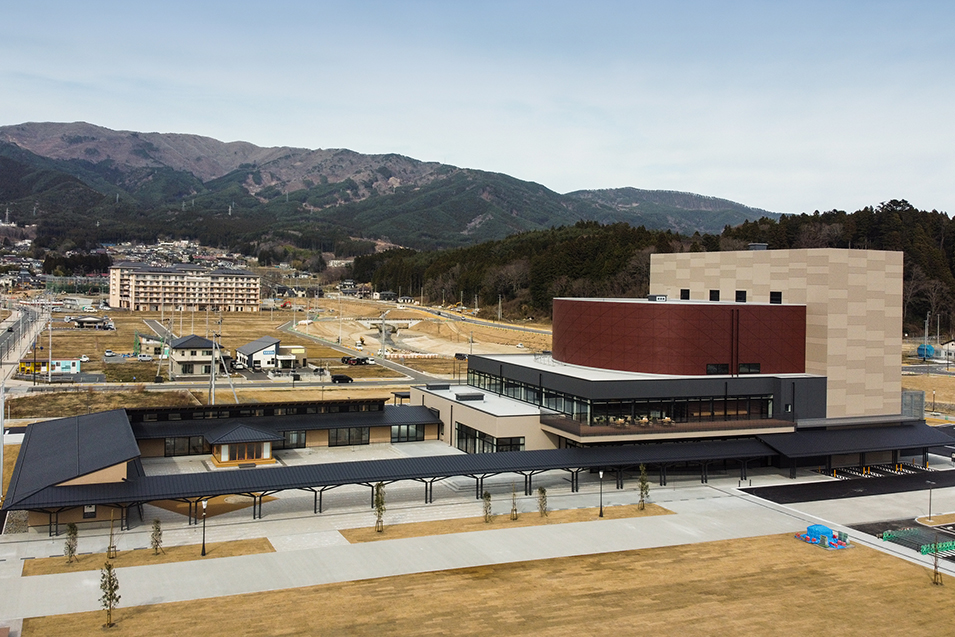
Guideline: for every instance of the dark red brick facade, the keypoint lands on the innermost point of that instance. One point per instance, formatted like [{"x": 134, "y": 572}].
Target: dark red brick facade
[{"x": 680, "y": 338}]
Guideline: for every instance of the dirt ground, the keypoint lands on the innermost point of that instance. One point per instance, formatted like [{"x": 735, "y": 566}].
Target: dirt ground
[
  {"x": 146, "y": 557},
  {"x": 465, "y": 525},
  {"x": 773, "y": 585}
]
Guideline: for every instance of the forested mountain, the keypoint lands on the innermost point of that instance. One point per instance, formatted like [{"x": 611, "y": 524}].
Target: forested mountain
[
  {"x": 588, "y": 259},
  {"x": 239, "y": 195}
]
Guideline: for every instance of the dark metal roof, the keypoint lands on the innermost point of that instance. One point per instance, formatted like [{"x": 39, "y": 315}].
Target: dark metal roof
[
  {"x": 273, "y": 479},
  {"x": 55, "y": 451},
  {"x": 817, "y": 442},
  {"x": 236, "y": 432},
  {"x": 258, "y": 345},
  {"x": 185, "y": 342},
  {"x": 391, "y": 415}
]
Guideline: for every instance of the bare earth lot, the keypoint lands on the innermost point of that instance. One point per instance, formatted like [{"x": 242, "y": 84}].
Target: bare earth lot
[{"x": 773, "y": 585}]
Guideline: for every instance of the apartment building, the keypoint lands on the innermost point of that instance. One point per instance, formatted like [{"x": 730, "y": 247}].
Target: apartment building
[{"x": 141, "y": 287}]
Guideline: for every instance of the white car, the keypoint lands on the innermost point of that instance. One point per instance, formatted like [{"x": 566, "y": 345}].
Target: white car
[
  {"x": 109, "y": 352},
  {"x": 84, "y": 358}
]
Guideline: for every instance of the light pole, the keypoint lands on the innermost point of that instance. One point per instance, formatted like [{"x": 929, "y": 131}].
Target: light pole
[
  {"x": 601, "y": 474},
  {"x": 204, "y": 504},
  {"x": 931, "y": 484}
]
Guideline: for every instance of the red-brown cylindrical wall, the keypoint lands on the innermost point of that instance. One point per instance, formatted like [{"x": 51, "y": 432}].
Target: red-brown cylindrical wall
[{"x": 679, "y": 338}]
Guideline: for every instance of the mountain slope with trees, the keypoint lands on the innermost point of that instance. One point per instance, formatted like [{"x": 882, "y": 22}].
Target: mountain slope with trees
[{"x": 161, "y": 184}]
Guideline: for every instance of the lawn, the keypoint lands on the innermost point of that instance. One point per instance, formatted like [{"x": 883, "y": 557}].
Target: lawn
[
  {"x": 772, "y": 585},
  {"x": 465, "y": 525},
  {"x": 146, "y": 556}
]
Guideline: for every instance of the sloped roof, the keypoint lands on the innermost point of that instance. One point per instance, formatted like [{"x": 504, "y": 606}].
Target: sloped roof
[
  {"x": 823, "y": 442},
  {"x": 59, "y": 450},
  {"x": 191, "y": 341},
  {"x": 235, "y": 432},
  {"x": 207, "y": 484},
  {"x": 391, "y": 415},
  {"x": 258, "y": 345}
]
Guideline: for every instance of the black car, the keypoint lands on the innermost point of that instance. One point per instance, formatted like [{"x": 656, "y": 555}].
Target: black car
[{"x": 341, "y": 378}]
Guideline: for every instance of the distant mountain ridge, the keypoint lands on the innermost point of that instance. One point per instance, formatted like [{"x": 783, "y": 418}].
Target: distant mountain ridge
[{"x": 172, "y": 183}]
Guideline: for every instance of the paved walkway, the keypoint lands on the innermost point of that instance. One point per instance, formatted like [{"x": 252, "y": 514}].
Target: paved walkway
[{"x": 310, "y": 550}]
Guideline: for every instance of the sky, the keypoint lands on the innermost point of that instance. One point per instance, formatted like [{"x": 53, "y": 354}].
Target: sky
[{"x": 784, "y": 106}]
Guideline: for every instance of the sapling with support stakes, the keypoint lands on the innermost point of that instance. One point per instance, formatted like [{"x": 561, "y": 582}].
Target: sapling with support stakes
[
  {"x": 72, "y": 540},
  {"x": 644, "y": 487},
  {"x": 155, "y": 538},
  {"x": 379, "y": 507},
  {"x": 542, "y": 501},
  {"x": 514, "y": 513}
]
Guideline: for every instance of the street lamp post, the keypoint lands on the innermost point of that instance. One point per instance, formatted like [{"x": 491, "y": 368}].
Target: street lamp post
[
  {"x": 931, "y": 484},
  {"x": 204, "y": 504},
  {"x": 601, "y": 474}
]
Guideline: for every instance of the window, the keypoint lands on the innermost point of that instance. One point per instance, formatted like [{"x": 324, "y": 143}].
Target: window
[
  {"x": 207, "y": 369},
  {"x": 207, "y": 352},
  {"x": 407, "y": 433},
  {"x": 187, "y": 368},
  {"x": 348, "y": 436},
  {"x": 293, "y": 440},
  {"x": 717, "y": 368},
  {"x": 776, "y": 298},
  {"x": 749, "y": 368},
  {"x": 684, "y": 295},
  {"x": 473, "y": 441},
  {"x": 714, "y": 295},
  {"x": 510, "y": 444},
  {"x": 192, "y": 353},
  {"x": 740, "y": 296}
]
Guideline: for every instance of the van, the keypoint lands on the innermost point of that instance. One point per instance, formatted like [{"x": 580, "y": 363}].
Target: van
[
  {"x": 144, "y": 358},
  {"x": 341, "y": 378}
]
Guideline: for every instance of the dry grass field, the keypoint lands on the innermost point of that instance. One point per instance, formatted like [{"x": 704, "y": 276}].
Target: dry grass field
[
  {"x": 65, "y": 404},
  {"x": 466, "y": 525},
  {"x": 10, "y": 453},
  {"x": 146, "y": 557},
  {"x": 773, "y": 585},
  {"x": 943, "y": 386}
]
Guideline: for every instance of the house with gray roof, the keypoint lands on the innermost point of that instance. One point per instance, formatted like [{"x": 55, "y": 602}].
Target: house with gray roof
[
  {"x": 192, "y": 355},
  {"x": 267, "y": 353}
]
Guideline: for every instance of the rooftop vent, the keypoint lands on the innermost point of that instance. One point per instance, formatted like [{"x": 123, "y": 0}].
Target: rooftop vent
[
  {"x": 759, "y": 246},
  {"x": 469, "y": 396},
  {"x": 658, "y": 298},
  {"x": 438, "y": 386}
]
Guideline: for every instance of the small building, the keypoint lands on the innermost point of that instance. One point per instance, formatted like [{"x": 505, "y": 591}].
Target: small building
[
  {"x": 60, "y": 366},
  {"x": 387, "y": 295},
  {"x": 192, "y": 356},
  {"x": 267, "y": 353}
]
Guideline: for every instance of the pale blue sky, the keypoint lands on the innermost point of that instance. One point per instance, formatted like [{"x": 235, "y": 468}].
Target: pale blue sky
[{"x": 789, "y": 107}]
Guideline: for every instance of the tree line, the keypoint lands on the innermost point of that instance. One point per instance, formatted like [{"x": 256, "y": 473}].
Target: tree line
[{"x": 526, "y": 271}]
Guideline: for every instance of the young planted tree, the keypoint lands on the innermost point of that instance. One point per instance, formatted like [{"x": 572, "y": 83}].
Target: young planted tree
[
  {"x": 514, "y": 514},
  {"x": 542, "y": 501},
  {"x": 379, "y": 507},
  {"x": 109, "y": 584},
  {"x": 487, "y": 506},
  {"x": 644, "y": 487},
  {"x": 155, "y": 538},
  {"x": 72, "y": 540}
]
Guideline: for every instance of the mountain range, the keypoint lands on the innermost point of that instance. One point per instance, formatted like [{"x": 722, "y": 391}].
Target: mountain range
[{"x": 84, "y": 184}]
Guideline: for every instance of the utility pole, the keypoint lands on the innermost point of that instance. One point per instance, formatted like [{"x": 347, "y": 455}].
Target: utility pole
[
  {"x": 49, "y": 365},
  {"x": 499, "y": 307}
]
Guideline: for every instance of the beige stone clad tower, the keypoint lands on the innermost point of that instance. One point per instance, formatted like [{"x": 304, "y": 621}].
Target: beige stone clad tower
[{"x": 853, "y": 302}]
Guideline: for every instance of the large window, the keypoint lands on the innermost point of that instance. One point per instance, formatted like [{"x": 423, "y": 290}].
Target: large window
[
  {"x": 292, "y": 440},
  {"x": 187, "y": 446},
  {"x": 245, "y": 451},
  {"x": 407, "y": 433},
  {"x": 348, "y": 436},
  {"x": 473, "y": 441}
]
